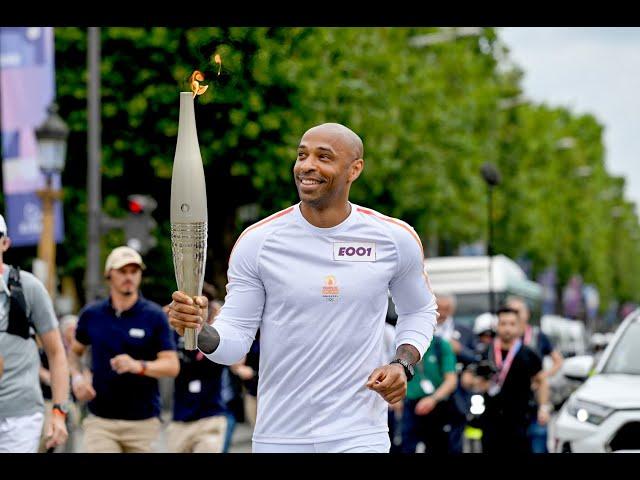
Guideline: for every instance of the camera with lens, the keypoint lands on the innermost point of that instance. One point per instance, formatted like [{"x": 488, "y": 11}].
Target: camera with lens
[{"x": 484, "y": 369}]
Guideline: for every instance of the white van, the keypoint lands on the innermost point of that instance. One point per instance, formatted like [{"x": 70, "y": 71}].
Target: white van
[{"x": 468, "y": 279}]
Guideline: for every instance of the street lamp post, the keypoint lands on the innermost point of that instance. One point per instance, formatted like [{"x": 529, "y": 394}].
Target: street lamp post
[
  {"x": 52, "y": 148},
  {"x": 491, "y": 176},
  {"x": 94, "y": 178}
]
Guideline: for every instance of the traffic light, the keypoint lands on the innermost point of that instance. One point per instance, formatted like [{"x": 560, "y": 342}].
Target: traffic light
[{"x": 139, "y": 224}]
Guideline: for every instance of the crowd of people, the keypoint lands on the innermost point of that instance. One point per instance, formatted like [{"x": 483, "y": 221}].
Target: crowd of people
[{"x": 499, "y": 361}]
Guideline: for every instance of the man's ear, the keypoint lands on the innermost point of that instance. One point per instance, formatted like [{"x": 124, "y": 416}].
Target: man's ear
[
  {"x": 5, "y": 243},
  {"x": 355, "y": 169}
]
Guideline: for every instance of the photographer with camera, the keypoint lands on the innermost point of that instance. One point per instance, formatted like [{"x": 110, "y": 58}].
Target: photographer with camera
[{"x": 505, "y": 376}]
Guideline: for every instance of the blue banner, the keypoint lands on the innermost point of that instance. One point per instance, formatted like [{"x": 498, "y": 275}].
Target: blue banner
[{"x": 27, "y": 88}]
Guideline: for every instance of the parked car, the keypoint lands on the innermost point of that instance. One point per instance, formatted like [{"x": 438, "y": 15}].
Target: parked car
[
  {"x": 569, "y": 338},
  {"x": 603, "y": 414}
]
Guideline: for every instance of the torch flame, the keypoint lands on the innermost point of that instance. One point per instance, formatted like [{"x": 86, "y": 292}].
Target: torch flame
[
  {"x": 195, "y": 79},
  {"x": 218, "y": 60}
]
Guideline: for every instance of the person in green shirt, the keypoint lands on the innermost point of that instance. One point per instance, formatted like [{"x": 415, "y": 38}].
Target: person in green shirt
[{"x": 426, "y": 411}]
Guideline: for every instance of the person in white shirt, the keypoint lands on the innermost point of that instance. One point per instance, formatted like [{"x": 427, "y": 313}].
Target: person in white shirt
[{"x": 315, "y": 279}]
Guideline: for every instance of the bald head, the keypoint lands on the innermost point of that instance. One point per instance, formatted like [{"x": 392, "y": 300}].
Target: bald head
[
  {"x": 329, "y": 160},
  {"x": 349, "y": 138}
]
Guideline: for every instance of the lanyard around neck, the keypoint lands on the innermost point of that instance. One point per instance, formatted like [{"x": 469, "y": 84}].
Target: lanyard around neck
[{"x": 505, "y": 366}]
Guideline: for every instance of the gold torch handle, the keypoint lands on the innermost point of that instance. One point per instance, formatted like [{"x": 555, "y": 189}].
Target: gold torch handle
[
  {"x": 189, "y": 245},
  {"x": 190, "y": 339}
]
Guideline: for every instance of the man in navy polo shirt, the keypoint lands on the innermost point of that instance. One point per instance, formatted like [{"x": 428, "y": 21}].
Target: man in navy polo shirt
[{"x": 131, "y": 347}]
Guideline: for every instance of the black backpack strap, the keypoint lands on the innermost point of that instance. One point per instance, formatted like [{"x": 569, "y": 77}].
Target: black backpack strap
[{"x": 19, "y": 322}]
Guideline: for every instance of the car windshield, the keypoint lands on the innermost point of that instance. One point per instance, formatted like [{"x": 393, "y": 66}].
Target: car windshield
[{"x": 625, "y": 357}]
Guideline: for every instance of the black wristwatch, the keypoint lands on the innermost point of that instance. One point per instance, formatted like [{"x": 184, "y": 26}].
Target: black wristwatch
[
  {"x": 408, "y": 368},
  {"x": 63, "y": 408}
]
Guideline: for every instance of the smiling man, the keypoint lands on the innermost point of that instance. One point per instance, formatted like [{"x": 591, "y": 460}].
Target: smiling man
[
  {"x": 131, "y": 347},
  {"x": 314, "y": 279}
]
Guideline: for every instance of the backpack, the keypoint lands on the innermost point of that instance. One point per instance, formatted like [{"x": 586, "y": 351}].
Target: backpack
[{"x": 19, "y": 322}]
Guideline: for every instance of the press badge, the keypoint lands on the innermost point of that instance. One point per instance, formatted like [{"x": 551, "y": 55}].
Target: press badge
[
  {"x": 136, "y": 333},
  {"x": 427, "y": 386},
  {"x": 494, "y": 389},
  {"x": 195, "y": 386}
]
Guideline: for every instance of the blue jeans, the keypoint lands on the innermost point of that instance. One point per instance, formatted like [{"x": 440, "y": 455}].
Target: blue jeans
[
  {"x": 231, "y": 425},
  {"x": 538, "y": 437}
]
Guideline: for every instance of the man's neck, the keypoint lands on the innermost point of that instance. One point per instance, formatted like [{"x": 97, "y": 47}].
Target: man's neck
[
  {"x": 325, "y": 217},
  {"x": 506, "y": 345},
  {"x": 120, "y": 302}
]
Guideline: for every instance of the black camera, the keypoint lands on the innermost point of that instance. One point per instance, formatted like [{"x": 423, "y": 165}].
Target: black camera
[{"x": 485, "y": 369}]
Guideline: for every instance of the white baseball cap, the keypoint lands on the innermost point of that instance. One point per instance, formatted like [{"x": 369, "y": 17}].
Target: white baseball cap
[
  {"x": 484, "y": 323},
  {"x": 121, "y": 256},
  {"x": 3, "y": 226}
]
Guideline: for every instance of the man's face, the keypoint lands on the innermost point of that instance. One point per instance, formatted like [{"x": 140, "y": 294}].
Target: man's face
[
  {"x": 485, "y": 337},
  {"x": 508, "y": 326},
  {"x": 445, "y": 308},
  {"x": 126, "y": 280},
  {"x": 325, "y": 167},
  {"x": 523, "y": 312}
]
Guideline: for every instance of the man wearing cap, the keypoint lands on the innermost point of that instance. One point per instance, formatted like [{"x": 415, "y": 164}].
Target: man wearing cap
[
  {"x": 25, "y": 307},
  {"x": 132, "y": 347}
]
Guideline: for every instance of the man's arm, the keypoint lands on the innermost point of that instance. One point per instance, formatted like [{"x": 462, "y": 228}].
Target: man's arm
[
  {"x": 208, "y": 339},
  {"x": 165, "y": 365},
  {"x": 444, "y": 391},
  {"x": 414, "y": 301},
  {"x": 80, "y": 380},
  {"x": 409, "y": 353},
  {"x": 447, "y": 388},
  {"x": 56, "y": 430},
  {"x": 416, "y": 308},
  {"x": 447, "y": 362},
  {"x": 76, "y": 353},
  {"x": 542, "y": 396},
  {"x": 58, "y": 366},
  {"x": 236, "y": 325},
  {"x": 547, "y": 348},
  {"x": 465, "y": 347},
  {"x": 558, "y": 360}
]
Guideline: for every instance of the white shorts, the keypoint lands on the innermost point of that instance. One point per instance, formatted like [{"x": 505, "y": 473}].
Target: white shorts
[
  {"x": 372, "y": 443},
  {"x": 21, "y": 434}
]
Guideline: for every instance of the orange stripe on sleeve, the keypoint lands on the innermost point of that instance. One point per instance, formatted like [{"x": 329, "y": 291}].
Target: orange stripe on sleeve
[
  {"x": 396, "y": 222},
  {"x": 260, "y": 224},
  {"x": 412, "y": 232}
]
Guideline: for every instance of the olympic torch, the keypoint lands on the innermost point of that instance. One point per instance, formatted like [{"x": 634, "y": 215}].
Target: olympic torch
[{"x": 188, "y": 212}]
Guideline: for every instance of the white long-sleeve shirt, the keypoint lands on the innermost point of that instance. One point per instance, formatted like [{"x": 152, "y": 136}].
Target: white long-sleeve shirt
[{"x": 319, "y": 297}]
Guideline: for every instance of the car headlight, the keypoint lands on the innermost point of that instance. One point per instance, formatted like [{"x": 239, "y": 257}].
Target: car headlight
[{"x": 588, "y": 411}]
